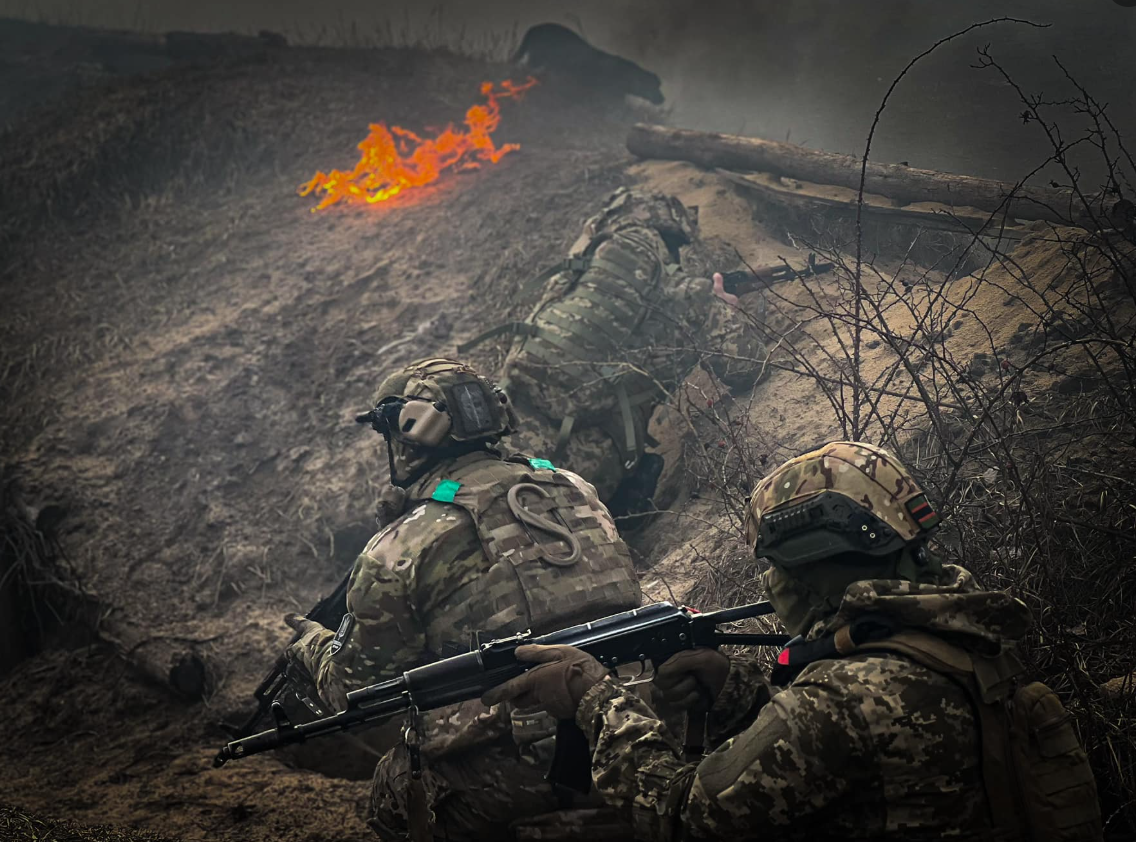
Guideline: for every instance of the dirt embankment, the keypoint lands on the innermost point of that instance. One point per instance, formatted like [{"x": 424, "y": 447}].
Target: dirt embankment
[{"x": 184, "y": 346}]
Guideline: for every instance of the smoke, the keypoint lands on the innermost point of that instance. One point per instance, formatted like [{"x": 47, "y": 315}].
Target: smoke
[{"x": 812, "y": 71}]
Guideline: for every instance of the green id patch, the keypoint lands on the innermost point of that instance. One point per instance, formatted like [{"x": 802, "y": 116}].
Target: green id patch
[
  {"x": 541, "y": 465},
  {"x": 445, "y": 490}
]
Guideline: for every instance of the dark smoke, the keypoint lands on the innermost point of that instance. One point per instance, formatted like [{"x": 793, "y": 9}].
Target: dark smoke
[{"x": 812, "y": 71}]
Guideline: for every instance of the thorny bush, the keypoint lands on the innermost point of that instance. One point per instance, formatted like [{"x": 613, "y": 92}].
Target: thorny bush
[{"x": 1009, "y": 390}]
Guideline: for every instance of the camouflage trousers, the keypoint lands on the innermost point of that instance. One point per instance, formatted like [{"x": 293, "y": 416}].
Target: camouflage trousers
[
  {"x": 473, "y": 795},
  {"x": 591, "y": 453},
  {"x": 489, "y": 793}
]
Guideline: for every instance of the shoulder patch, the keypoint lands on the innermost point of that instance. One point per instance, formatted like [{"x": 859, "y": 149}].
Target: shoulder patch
[
  {"x": 445, "y": 491},
  {"x": 343, "y": 633}
]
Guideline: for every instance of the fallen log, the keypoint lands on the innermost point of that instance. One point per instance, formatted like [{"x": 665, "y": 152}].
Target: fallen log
[
  {"x": 177, "y": 663},
  {"x": 803, "y": 197},
  {"x": 902, "y": 184}
]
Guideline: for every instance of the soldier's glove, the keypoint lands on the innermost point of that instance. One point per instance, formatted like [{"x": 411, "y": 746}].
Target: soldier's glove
[
  {"x": 693, "y": 679},
  {"x": 298, "y": 653},
  {"x": 301, "y": 624},
  {"x": 563, "y": 675},
  {"x": 391, "y": 505}
]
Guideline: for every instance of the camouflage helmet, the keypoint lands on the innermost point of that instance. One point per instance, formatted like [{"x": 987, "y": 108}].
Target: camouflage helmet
[
  {"x": 844, "y": 497},
  {"x": 436, "y": 408},
  {"x": 632, "y": 208},
  {"x": 442, "y": 401}
]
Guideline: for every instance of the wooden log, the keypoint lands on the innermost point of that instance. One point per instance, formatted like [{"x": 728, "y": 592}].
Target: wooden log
[
  {"x": 177, "y": 663},
  {"x": 903, "y": 184},
  {"x": 844, "y": 199}
]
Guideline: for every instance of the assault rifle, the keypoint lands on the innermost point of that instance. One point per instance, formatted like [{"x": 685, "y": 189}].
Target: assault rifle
[
  {"x": 652, "y": 634},
  {"x": 744, "y": 280},
  {"x": 281, "y": 680}
]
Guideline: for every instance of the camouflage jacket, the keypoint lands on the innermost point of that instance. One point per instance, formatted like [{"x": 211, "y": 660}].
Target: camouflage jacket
[
  {"x": 872, "y": 746},
  {"x": 635, "y": 314},
  {"x": 422, "y": 567}
]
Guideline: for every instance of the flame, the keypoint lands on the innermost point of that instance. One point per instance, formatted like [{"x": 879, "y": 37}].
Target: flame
[{"x": 396, "y": 159}]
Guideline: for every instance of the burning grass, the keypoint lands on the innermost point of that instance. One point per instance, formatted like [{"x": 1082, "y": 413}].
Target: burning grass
[{"x": 394, "y": 159}]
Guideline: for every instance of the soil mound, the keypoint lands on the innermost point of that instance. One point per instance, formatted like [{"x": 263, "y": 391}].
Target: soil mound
[{"x": 185, "y": 345}]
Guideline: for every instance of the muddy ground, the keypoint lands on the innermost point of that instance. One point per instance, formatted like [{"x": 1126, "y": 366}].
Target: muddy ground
[{"x": 184, "y": 347}]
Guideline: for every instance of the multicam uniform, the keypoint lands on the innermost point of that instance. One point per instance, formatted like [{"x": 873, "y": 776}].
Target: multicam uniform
[
  {"x": 870, "y": 746},
  {"x": 459, "y": 563},
  {"x": 622, "y": 323}
]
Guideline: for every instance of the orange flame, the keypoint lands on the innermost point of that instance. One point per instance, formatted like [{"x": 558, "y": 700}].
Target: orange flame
[{"x": 396, "y": 159}]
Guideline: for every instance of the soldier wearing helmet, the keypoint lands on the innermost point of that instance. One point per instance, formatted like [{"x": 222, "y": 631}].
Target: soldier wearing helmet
[
  {"x": 484, "y": 546},
  {"x": 864, "y": 732},
  {"x": 621, "y": 322}
]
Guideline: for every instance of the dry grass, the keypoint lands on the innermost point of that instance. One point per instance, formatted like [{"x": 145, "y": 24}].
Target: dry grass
[
  {"x": 1006, "y": 378},
  {"x": 18, "y": 825}
]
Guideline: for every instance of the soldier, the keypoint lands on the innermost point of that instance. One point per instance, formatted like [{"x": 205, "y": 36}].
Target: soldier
[
  {"x": 621, "y": 323},
  {"x": 487, "y": 546},
  {"x": 901, "y": 719}
]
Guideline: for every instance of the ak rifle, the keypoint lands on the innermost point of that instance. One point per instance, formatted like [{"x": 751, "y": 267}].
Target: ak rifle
[
  {"x": 281, "y": 680},
  {"x": 745, "y": 280},
  {"x": 648, "y": 635}
]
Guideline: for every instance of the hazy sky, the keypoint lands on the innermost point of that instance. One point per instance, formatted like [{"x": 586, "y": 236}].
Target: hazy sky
[{"x": 809, "y": 70}]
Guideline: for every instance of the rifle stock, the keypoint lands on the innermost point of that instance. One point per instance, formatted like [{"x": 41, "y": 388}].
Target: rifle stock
[{"x": 652, "y": 634}]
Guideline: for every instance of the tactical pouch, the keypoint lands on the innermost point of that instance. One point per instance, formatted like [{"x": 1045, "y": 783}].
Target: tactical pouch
[
  {"x": 1039, "y": 784},
  {"x": 1057, "y": 786},
  {"x": 534, "y": 734}
]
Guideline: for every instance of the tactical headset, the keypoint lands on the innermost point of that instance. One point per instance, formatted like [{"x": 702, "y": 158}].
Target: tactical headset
[{"x": 473, "y": 412}]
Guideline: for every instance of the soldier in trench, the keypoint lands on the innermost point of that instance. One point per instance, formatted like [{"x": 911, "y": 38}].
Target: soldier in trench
[
  {"x": 482, "y": 546},
  {"x": 619, "y": 324}
]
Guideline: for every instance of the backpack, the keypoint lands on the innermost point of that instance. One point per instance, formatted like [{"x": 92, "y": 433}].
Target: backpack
[{"x": 1035, "y": 771}]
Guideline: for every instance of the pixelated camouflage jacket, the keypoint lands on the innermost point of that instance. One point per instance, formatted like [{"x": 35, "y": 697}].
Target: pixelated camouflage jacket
[{"x": 871, "y": 746}]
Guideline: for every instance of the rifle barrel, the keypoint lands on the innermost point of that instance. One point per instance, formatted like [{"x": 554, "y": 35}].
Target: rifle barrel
[{"x": 742, "y": 612}]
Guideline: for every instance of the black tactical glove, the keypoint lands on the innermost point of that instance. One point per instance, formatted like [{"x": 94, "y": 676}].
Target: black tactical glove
[
  {"x": 563, "y": 676},
  {"x": 693, "y": 678}
]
